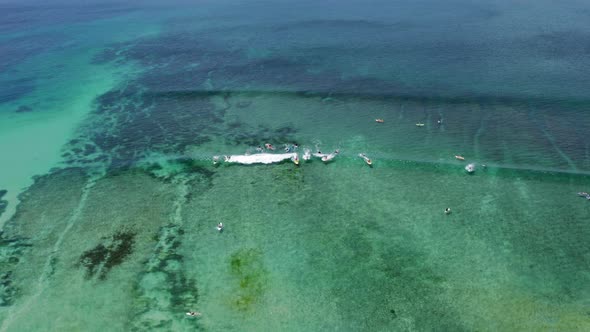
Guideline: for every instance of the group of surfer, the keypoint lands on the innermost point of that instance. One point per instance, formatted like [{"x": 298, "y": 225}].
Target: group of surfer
[
  {"x": 290, "y": 153},
  {"x": 470, "y": 168},
  {"x": 270, "y": 147}
]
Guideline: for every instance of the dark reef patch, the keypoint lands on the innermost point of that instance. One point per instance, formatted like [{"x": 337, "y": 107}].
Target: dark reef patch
[
  {"x": 105, "y": 256},
  {"x": 3, "y": 203},
  {"x": 7, "y": 289},
  {"x": 165, "y": 266},
  {"x": 171, "y": 107},
  {"x": 336, "y": 24},
  {"x": 244, "y": 104},
  {"x": 244, "y": 135},
  {"x": 23, "y": 109},
  {"x": 130, "y": 124},
  {"x": 108, "y": 54},
  {"x": 175, "y": 104},
  {"x": 193, "y": 166},
  {"x": 17, "y": 88},
  {"x": 561, "y": 44},
  {"x": 183, "y": 165},
  {"x": 11, "y": 249}
]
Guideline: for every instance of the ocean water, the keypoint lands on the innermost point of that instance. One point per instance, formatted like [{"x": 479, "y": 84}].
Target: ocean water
[{"x": 110, "y": 115}]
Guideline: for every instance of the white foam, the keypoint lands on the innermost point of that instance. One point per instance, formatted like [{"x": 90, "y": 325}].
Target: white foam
[{"x": 260, "y": 158}]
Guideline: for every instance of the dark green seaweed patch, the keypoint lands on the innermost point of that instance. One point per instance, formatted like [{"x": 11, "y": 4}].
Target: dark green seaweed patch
[
  {"x": 10, "y": 251},
  {"x": 250, "y": 275},
  {"x": 104, "y": 256}
]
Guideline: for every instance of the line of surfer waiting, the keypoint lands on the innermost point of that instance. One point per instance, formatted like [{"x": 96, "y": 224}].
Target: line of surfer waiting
[{"x": 265, "y": 155}]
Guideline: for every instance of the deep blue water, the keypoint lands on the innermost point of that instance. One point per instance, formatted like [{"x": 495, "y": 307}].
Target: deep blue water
[{"x": 497, "y": 49}]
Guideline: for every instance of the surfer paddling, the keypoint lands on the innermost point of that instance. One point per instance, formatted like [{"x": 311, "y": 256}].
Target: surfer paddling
[
  {"x": 366, "y": 159},
  {"x": 329, "y": 157}
]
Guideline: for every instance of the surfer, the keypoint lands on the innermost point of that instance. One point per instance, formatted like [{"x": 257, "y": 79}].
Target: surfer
[
  {"x": 269, "y": 146},
  {"x": 329, "y": 157},
  {"x": 193, "y": 314},
  {"x": 448, "y": 211},
  {"x": 366, "y": 159},
  {"x": 291, "y": 147},
  {"x": 259, "y": 149},
  {"x": 219, "y": 227}
]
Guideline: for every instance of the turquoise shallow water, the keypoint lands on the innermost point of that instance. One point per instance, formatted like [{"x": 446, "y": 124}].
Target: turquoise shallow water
[{"x": 129, "y": 104}]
